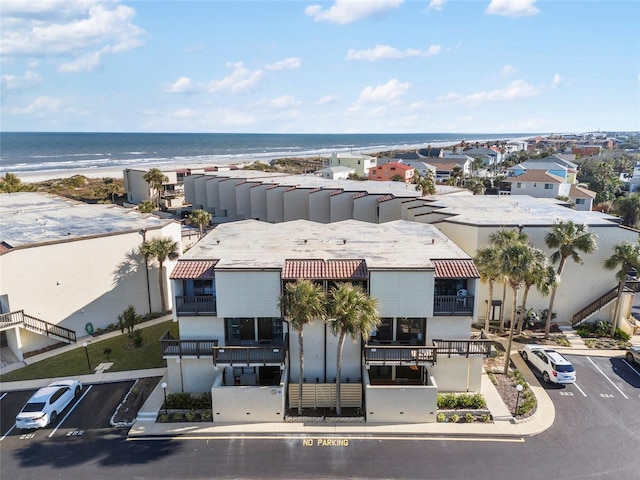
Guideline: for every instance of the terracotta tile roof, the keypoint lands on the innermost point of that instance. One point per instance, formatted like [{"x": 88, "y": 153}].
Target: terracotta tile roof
[
  {"x": 194, "y": 269},
  {"x": 455, "y": 269},
  {"x": 4, "y": 248},
  {"x": 325, "y": 269},
  {"x": 338, "y": 191},
  {"x": 385, "y": 198},
  {"x": 360, "y": 195}
]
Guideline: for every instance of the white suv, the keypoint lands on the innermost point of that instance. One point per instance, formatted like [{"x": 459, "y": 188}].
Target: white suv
[{"x": 554, "y": 367}]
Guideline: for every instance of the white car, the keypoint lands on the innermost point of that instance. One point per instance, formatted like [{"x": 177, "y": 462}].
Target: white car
[
  {"x": 554, "y": 367},
  {"x": 47, "y": 403},
  {"x": 633, "y": 355}
]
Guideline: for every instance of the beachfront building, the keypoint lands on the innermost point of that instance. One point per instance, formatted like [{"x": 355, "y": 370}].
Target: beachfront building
[
  {"x": 359, "y": 162},
  {"x": 70, "y": 267},
  {"x": 587, "y": 290},
  {"x": 392, "y": 171},
  {"x": 235, "y": 342}
]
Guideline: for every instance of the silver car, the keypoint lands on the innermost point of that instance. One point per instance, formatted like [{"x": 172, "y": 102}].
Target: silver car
[
  {"x": 552, "y": 365},
  {"x": 633, "y": 355}
]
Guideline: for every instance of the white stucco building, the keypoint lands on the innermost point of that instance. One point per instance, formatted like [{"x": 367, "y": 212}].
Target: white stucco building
[
  {"x": 69, "y": 264},
  {"x": 235, "y": 342}
]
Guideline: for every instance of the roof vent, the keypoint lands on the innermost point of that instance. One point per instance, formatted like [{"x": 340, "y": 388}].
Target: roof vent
[{"x": 344, "y": 241}]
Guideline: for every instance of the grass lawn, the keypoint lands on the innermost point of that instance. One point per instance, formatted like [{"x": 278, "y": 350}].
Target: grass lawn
[{"x": 74, "y": 362}]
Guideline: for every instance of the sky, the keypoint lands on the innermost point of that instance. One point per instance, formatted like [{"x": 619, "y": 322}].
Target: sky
[{"x": 341, "y": 66}]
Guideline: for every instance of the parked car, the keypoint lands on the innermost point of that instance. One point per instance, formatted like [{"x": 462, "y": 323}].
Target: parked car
[
  {"x": 554, "y": 367},
  {"x": 47, "y": 403},
  {"x": 633, "y": 355}
]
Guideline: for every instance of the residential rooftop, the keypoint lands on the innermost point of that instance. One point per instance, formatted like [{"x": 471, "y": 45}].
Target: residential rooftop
[
  {"x": 29, "y": 218},
  {"x": 252, "y": 244},
  {"x": 513, "y": 210}
]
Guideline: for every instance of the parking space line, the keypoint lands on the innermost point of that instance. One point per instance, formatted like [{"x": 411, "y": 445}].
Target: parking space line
[
  {"x": 605, "y": 376},
  {"x": 3, "y": 395},
  {"x": 580, "y": 390},
  {"x": 10, "y": 430},
  {"x": 628, "y": 364},
  {"x": 69, "y": 412}
]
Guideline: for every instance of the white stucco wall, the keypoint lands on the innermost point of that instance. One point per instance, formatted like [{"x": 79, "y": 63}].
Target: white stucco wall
[
  {"x": 228, "y": 196},
  {"x": 403, "y": 293},
  {"x": 190, "y": 375},
  {"x": 320, "y": 206},
  {"x": 365, "y": 208},
  {"x": 447, "y": 328},
  {"x": 406, "y": 404},
  {"x": 275, "y": 205},
  {"x": 199, "y": 197},
  {"x": 243, "y": 200},
  {"x": 204, "y": 328},
  {"x": 255, "y": 404},
  {"x": 457, "y": 374},
  {"x": 341, "y": 206},
  {"x": 390, "y": 210},
  {"x": 248, "y": 294},
  {"x": 258, "y": 194},
  {"x": 136, "y": 187},
  {"x": 295, "y": 204}
]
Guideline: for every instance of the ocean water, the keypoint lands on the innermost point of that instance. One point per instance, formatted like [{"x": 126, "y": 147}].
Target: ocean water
[{"x": 28, "y": 152}]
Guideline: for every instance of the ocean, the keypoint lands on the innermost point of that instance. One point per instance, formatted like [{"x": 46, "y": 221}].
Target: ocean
[{"x": 28, "y": 152}]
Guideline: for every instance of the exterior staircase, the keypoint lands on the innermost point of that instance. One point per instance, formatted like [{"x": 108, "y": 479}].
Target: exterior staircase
[
  {"x": 603, "y": 301},
  {"x": 36, "y": 325}
]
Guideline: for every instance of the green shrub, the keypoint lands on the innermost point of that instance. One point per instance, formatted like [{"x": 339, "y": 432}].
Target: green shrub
[
  {"x": 601, "y": 328},
  {"x": 177, "y": 416},
  {"x": 485, "y": 417},
  {"x": 163, "y": 418},
  {"x": 206, "y": 415},
  {"x": 583, "y": 330},
  {"x": 190, "y": 416},
  {"x": 441, "y": 417},
  {"x": 590, "y": 342},
  {"x": 455, "y": 418},
  {"x": 469, "y": 418},
  {"x": 187, "y": 401},
  {"x": 621, "y": 335},
  {"x": 447, "y": 401}
]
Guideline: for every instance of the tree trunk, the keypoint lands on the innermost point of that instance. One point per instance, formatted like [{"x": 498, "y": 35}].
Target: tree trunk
[
  {"x": 547, "y": 324},
  {"x": 300, "y": 346},
  {"x": 343, "y": 336},
  {"x": 489, "y": 308},
  {"x": 523, "y": 307},
  {"x": 162, "y": 295},
  {"x": 507, "y": 360},
  {"x": 616, "y": 311},
  {"x": 504, "y": 299}
]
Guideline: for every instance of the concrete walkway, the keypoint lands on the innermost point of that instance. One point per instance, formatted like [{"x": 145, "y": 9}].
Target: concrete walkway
[{"x": 504, "y": 424}]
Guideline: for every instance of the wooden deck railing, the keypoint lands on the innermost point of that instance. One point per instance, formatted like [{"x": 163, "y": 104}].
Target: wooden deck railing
[
  {"x": 273, "y": 354},
  {"x": 632, "y": 286},
  {"x": 452, "y": 305},
  {"x": 399, "y": 354},
  {"x": 464, "y": 348},
  {"x": 174, "y": 347},
  {"x": 195, "y": 305},
  {"x": 40, "y": 326}
]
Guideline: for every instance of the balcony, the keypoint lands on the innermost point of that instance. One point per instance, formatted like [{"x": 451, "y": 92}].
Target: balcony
[
  {"x": 399, "y": 354},
  {"x": 453, "y": 305},
  {"x": 463, "y": 348},
  {"x": 273, "y": 354},
  {"x": 174, "y": 347},
  {"x": 195, "y": 305}
]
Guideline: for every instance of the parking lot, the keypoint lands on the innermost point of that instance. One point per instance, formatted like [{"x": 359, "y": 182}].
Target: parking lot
[
  {"x": 605, "y": 386},
  {"x": 90, "y": 412}
]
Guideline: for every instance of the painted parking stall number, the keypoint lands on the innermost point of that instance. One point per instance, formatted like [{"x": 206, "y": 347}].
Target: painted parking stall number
[
  {"x": 606, "y": 395},
  {"x": 75, "y": 433},
  {"x": 566, "y": 394},
  {"x": 27, "y": 436}
]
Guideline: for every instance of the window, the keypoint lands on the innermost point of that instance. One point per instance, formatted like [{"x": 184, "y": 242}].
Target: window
[
  {"x": 269, "y": 329},
  {"x": 239, "y": 329},
  {"x": 385, "y": 330},
  {"x": 518, "y": 185},
  {"x": 386, "y": 173},
  {"x": 581, "y": 201},
  {"x": 410, "y": 329},
  {"x": 548, "y": 186}
]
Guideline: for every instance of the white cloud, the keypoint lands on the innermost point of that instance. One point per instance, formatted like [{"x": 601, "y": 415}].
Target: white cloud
[
  {"x": 513, "y": 8},
  {"x": 384, "y": 93},
  {"x": 241, "y": 80},
  {"x": 557, "y": 80},
  {"x": 67, "y": 28},
  {"x": 437, "y": 4},
  {"x": 515, "y": 90},
  {"x": 185, "y": 114},
  {"x": 381, "y": 52},
  {"x": 184, "y": 85},
  {"x": 286, "y": 101},
  {"x": 286, "y": 64},
  {"x": 28, "y": 80},
  {"x": 327, "y": 100},
  {"x": 41, "y": 106},
  {"x": 343, "y": 12},
  {"x": 508, "y": 70},
  {"x": 85, "y": 63},
  {"x": 235, "y": 117}
]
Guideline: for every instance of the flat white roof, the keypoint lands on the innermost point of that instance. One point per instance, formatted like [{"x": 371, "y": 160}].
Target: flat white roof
[
  {"x": 28, "y": 218},
  {"x": 252, "y": 244},
  {"x": 513, "y": 210}
]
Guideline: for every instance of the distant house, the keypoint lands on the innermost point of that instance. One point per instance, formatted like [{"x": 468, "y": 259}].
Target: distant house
[
  {"x": 335, "y": 173},
  {"x": 360, "y": 163},
  {"x": 543, "y": 184},
  {"x": 586, "y": 150},
  {"x": 388, "y": 171}
]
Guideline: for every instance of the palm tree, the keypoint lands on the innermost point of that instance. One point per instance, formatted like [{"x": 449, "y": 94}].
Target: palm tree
[
  {"x": 160, "y": 249},
  {"x": 540, "y": 274},
  {"x": 201, "y": 218},
  {"x": 502, "y": 239},
  {"x": 457, "y": 173},
  {"x": 155, "y": 178},
  {"x": 146, "y": 206},
  {"x": 302, "y": 302},
  {"x": 517, "y": 261},
  {"x": 352, "y": 313},
  {"x": 486, "y": 261},
  {"x": 628, "y": 207},
  {"x": 425, "y": 184},
  {"x": 570, "y": 239},
  {"x": 626, "y": 255}
]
